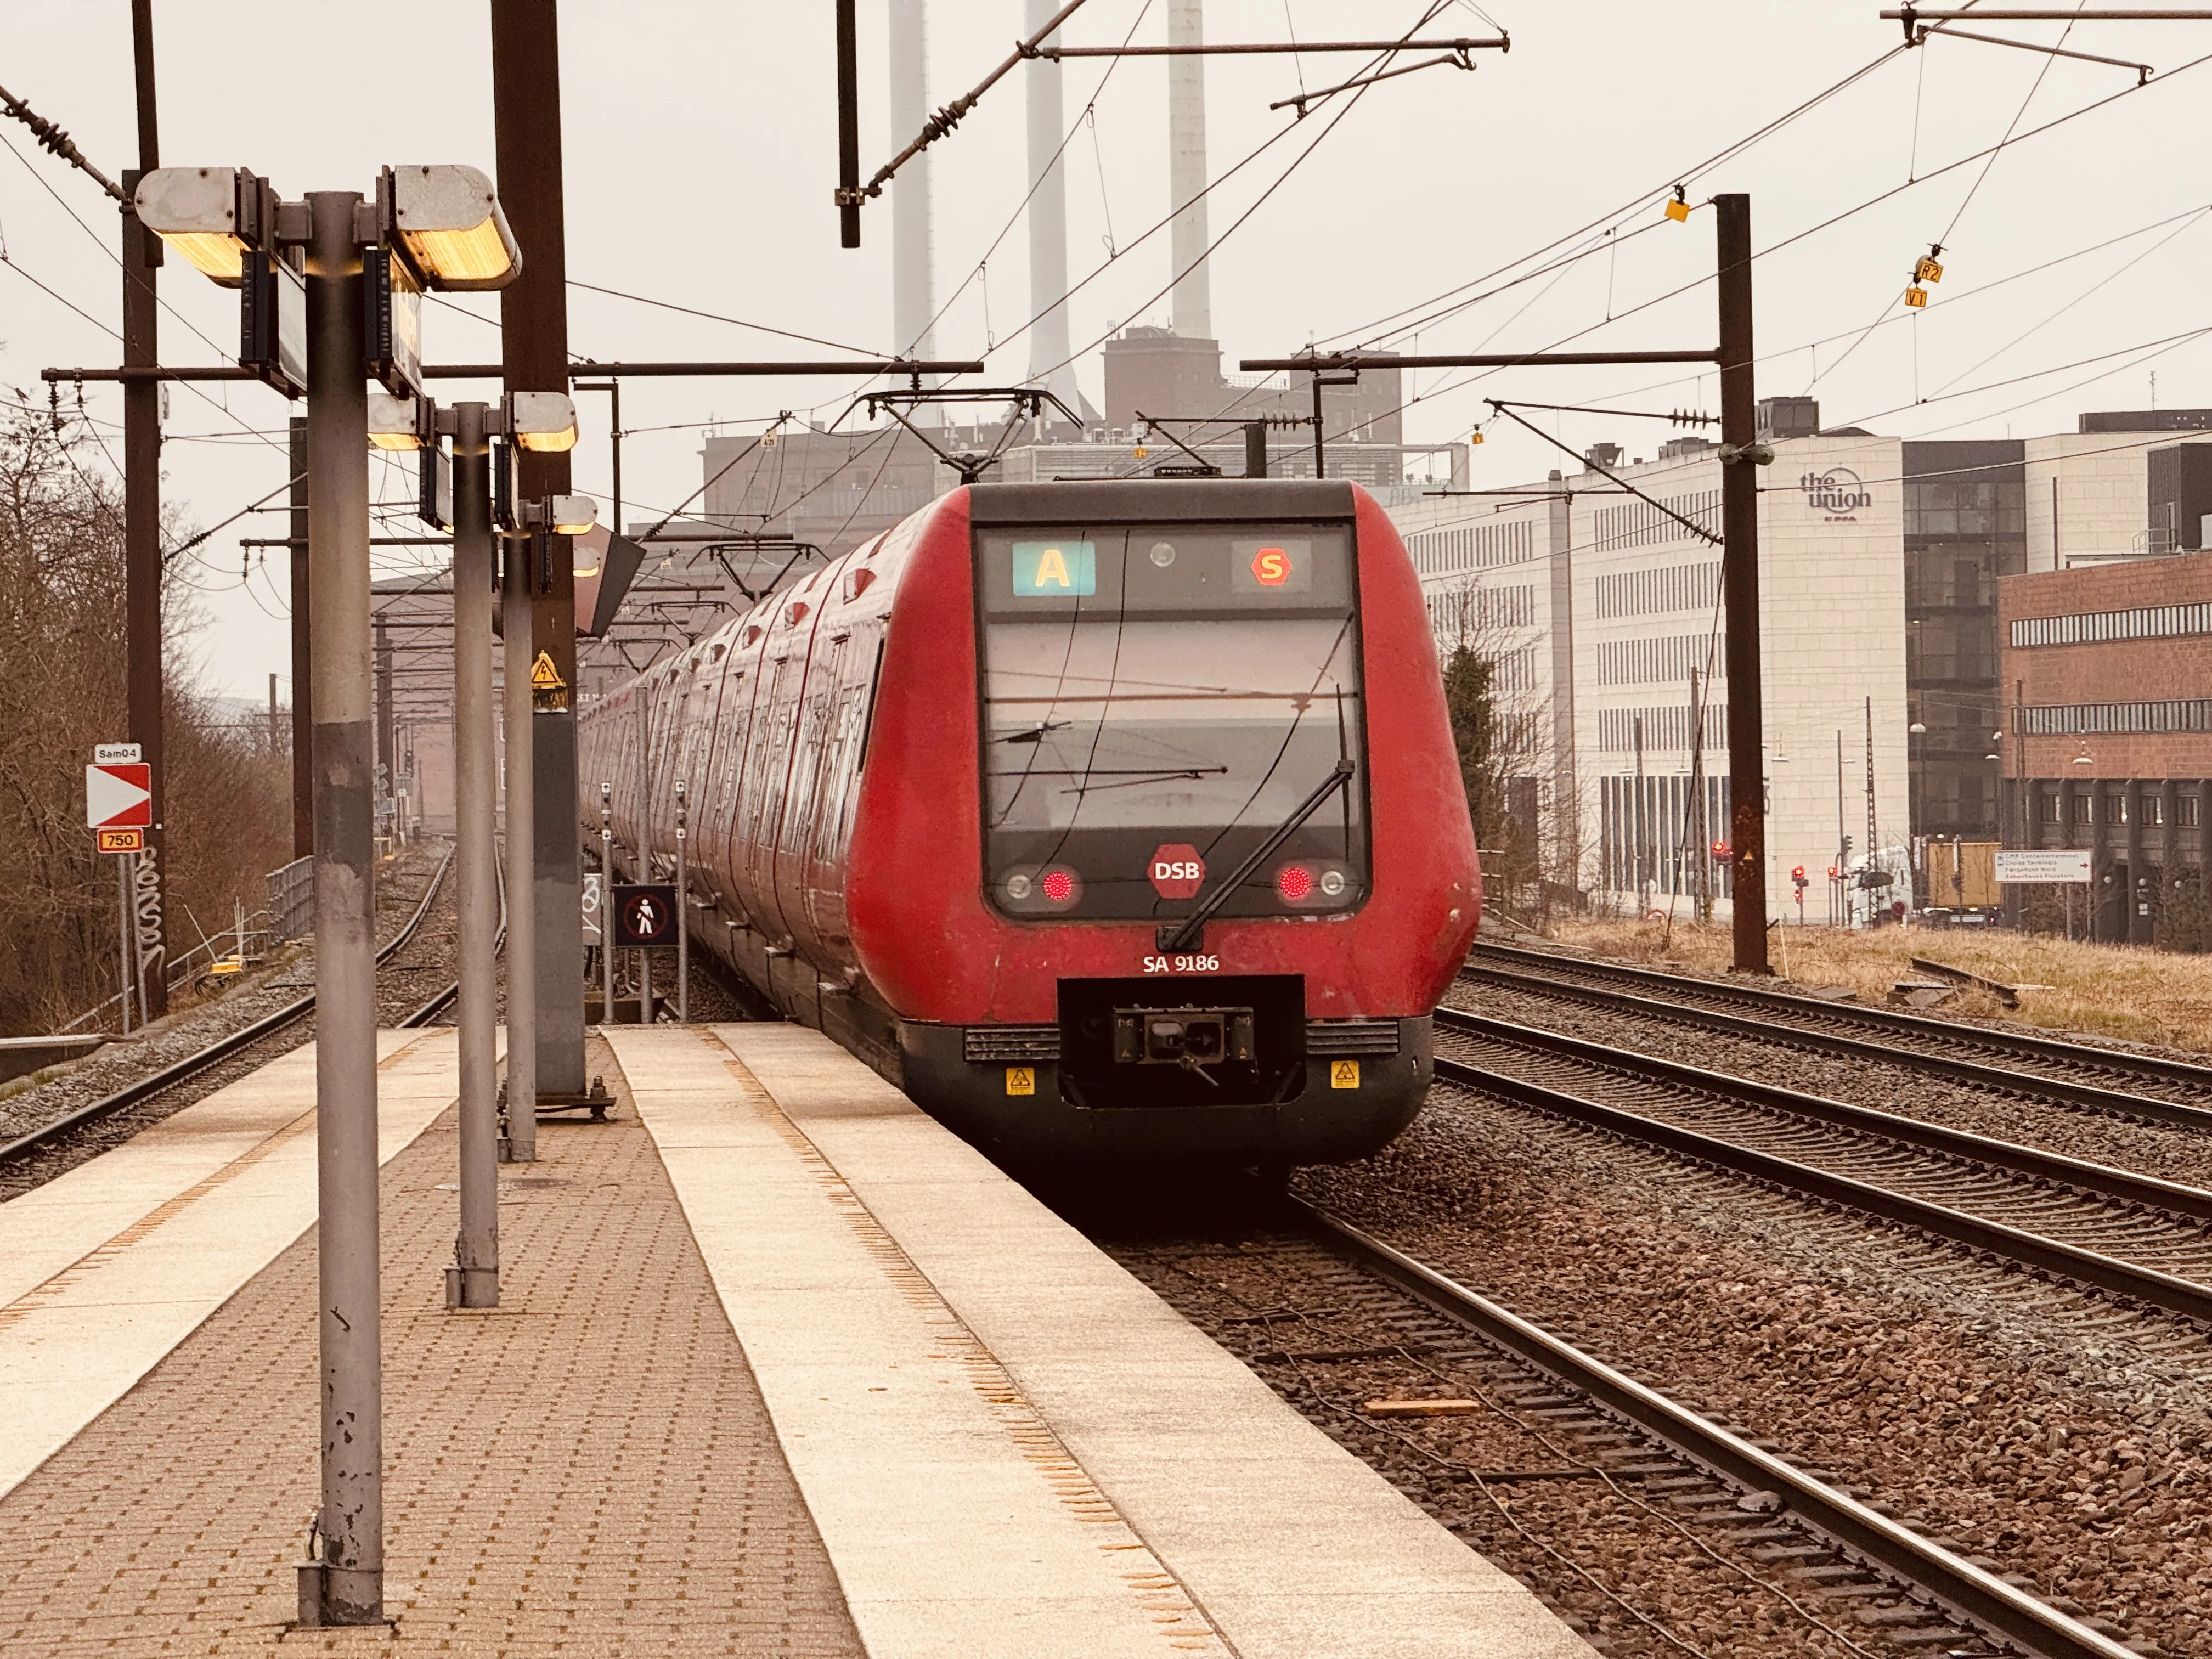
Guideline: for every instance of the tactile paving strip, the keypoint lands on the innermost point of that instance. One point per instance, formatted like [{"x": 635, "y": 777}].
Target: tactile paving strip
[{"x": 586, "y": 1469}]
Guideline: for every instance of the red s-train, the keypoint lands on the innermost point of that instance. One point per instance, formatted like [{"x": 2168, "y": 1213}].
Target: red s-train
[{"x": 1110, "y": 819}]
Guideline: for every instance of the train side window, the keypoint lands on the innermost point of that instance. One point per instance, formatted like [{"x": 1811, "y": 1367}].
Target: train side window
[{"x": 868, "y": 714}]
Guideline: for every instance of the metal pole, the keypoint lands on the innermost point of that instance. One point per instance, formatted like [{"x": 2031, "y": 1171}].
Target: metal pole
[
  {"x": 606, "y": 905},
  {"x": 683, "y": 918},
  {"x": 521, "y": 1145},
  {"x": 1255, "y": 449},
  {"x": 644, "y": 842},
  {"x": 303, "y": 656},
  {"x": 1746, "y": 735},
  {"x": 135, "y": 956},
  {"x": 1321, "y": 462},
  {"x": 533, "y": 310},
  {"x": 351, "y": 1522},
  {"x": 473, "y": 1280},
  {"x": 141, "y": 533},
  {"x": 123, "y": 895}
]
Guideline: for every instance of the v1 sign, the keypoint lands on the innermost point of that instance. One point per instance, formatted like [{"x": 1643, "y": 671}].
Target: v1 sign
[{"x": 118, "y": 796}]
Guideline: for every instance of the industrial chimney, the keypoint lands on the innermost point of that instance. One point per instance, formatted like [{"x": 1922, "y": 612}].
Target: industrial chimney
[
  {"x": 1193, "y": 300},
  {"x": 1049, "y": 349},
  {"x": 913, "y": 293}
]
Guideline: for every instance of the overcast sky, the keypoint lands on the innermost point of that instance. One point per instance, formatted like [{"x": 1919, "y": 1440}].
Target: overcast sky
[{"x": 701, "y": 152}]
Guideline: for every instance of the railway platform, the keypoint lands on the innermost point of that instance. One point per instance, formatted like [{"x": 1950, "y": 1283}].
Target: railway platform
[{"x": 780, "y": 1367}]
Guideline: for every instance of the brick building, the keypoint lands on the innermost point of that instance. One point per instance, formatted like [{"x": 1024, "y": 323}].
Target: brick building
[{"x": 2107, "y": 739}]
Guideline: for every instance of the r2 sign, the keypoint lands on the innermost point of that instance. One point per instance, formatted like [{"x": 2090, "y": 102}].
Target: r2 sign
[{"x": 1176, "y": 870}]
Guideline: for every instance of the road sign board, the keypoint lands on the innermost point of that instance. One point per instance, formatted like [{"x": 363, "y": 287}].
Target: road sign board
[
  {"x": 114, "y": 754},
  {"x": 118, "y": 796},
  {"x": 644, "y": 914},
  {"x": 121, "y": 840},
  {"x": 2043, "y": 863}
]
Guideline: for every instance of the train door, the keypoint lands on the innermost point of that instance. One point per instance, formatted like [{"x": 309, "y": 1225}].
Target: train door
[
  {"x": 831, "y": 827},
  {"x": 768, "y": 771},
  {"x": 818, "y": 719}
]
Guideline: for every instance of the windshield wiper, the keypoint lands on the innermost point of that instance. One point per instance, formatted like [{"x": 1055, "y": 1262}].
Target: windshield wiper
[
  {"x": 1186, "y": 935},
  {"x": 1035, "y": 734}
]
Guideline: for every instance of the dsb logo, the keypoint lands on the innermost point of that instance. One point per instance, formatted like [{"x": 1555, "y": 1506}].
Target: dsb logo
[
  {"x": 1176, "y": 870},
  {"x": 1271, "y": 566}
]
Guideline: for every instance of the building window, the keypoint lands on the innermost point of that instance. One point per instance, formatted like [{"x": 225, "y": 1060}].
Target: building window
[
  {"x": 2050, "y": 809},
  {"x": 2082, "y": 809},
  {"x": 2153, "y": 810},
  {"x": 2116, "y": 807},
  {"x": 2186, "y": 811},
  {"x": 2155, "y": 621},
  {"x": 2081, "y": 719}
]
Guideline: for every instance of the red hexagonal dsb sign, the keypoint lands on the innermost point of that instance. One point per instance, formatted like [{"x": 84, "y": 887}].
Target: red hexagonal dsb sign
[{"x": 1176, "y": 871}]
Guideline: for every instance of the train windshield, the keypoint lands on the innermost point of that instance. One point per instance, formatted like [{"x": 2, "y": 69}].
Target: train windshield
[{"x": 1156, "y": 702}]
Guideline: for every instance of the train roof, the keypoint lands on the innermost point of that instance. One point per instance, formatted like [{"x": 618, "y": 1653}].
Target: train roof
[{"x": 1160, "y": 501}]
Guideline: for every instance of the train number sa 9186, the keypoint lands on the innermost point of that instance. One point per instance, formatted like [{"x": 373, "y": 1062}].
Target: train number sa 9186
[{"x": 1182, "y": 965}]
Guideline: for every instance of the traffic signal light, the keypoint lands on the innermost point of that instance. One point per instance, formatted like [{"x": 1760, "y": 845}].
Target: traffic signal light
[
  {"x": 1797, "y": 875},
  {"x": 1720, "y": 850},
  {"x": 1832, "y": 872}
]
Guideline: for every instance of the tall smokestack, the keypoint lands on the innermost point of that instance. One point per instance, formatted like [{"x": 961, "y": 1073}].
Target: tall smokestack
[
  {"x": 1194, "y": 301},
  {"x": 1048, "y": 347},
  {"x": 913, "y": 293}
]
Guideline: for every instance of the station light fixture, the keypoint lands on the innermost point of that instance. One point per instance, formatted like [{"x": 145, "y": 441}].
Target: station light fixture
[
  {"x": 543, "y": 422},
  {"x": 400, "y": 423},
  {"x": 564, "y": 515},
  {"x": 447, "y": 224},
  {"x": 212, "y": 217}
]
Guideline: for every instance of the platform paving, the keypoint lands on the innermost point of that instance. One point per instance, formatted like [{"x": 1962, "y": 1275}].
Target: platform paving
[
  {"x": 588, "y": 1469},
  {"x": 1012, "y": 1447}
]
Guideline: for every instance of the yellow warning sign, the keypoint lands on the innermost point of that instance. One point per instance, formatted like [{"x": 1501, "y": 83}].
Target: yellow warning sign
[
  {"x": 1021, "y": 1080},
  {"x": 1344, "y": 1074},
  {"x": 549, "y": 692}
]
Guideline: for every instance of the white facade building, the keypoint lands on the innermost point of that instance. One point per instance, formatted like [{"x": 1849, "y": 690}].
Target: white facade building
[{"x": 1599, "y": 609}]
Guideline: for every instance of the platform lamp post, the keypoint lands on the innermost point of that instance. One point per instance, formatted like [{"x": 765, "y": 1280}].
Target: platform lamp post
[
  {"x": 461, "y": 496},
  {"x": 332, "y": 293}
]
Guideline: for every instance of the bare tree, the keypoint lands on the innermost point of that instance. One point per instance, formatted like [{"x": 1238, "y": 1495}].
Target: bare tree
[
  {"x": 1500, "y": 720},
  {"x": 61, "y": 690}
]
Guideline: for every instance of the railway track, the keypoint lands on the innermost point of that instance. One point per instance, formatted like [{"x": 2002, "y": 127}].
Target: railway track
[
  {"x": 24, "y": 1146},
  {"x": 1828, "y": 1543},
  {"x": 2145, "y": 1088},
  {"x": 2130, "y": 1236}
]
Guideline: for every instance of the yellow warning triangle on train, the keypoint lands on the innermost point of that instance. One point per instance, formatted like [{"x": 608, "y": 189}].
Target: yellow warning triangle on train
[{"x": 544, "y": 676}]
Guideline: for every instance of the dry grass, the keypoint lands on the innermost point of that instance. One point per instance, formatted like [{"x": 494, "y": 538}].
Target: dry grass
[{"x": 2138, "y": 995}]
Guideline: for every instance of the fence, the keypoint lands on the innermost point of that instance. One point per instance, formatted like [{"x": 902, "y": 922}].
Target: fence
[{"x": 292, "y": 901}]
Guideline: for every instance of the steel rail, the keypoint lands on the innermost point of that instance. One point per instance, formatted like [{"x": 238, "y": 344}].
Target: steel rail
[
  {"x": 2118, "y": 1185},
  {"x": 2146, "y": 1285},
  {"x": 221, "y": 1048},
  {"x": 2151, "y": 1067},
  {"x": 1957, "y": 1586},
  {"x": 438, "y": 1003}
]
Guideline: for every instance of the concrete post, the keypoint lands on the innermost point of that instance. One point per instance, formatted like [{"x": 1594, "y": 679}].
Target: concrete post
[
  {"x": 606, "y": 905},
  {"x": 351, "y": 1522},
  {"x": 473, "y": 1280},
  {"x": 521, "y": 1145}
]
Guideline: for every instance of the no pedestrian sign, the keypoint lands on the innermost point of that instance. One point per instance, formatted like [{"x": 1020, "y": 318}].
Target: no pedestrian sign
[
  {"x": 644, "y": 914},
  {"x": 119, "y": 795}
]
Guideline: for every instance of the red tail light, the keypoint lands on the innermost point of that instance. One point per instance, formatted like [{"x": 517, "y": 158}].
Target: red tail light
[
  {"x": 1295, "y": 882},
  {"x": 1058, "y": 886}
]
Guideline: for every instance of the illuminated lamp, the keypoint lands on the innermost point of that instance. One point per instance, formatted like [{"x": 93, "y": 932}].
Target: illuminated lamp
[
  {"x": 213, "y": 216},
  {"x": 542, "y": 421},
  {"x": 449, "y": 226},
  {"x": 1059, "y": 886},
  {"x": 398, "y": 423},
  {"x": 1295, "y": 882}
]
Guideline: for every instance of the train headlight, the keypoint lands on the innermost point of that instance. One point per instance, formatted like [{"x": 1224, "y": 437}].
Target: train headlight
[
  {"x": 1295, "y": 882},
  {"x": 1332, "y": 883},
  {"x": 1019, "y": 887}
]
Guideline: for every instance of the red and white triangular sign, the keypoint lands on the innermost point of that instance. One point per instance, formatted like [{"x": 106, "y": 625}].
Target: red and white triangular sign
[{"x": 118, "y": 796}]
